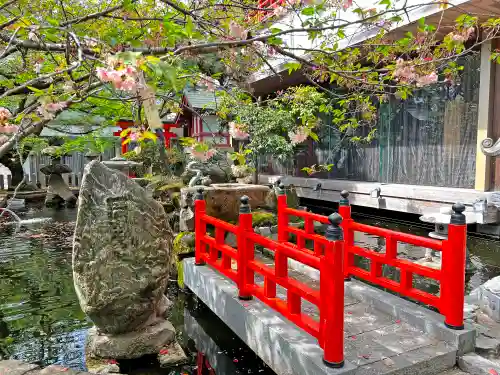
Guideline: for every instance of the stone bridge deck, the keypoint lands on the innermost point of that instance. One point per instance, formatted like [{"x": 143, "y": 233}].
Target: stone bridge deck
[{"x": 383, "y": 333}]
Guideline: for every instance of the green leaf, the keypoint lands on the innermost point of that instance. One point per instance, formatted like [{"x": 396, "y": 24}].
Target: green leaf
[
  {"x": 396, "y": 19},
  {"x": 314, "y": 136},
  {"x": 189, "y": 27},
  {"x": 52, "y": 21},
  {"x": 36, "y": 91},
  {"x": 292, "y": 66},
  {"x": 309, "y": 11}
]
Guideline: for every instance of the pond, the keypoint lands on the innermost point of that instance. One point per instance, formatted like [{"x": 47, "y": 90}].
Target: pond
[{"x": 41, "y": 321}]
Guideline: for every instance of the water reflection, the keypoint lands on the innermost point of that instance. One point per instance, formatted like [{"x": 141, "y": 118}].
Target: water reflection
[{"x": 41, "y": 320}]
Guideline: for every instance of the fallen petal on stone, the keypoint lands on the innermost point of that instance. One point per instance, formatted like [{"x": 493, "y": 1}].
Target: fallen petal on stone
[{"x": 388, "y": 362}]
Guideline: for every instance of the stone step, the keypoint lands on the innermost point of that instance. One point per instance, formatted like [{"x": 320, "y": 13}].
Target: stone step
[
  {"x": 474, "y": 364},
  {"x": 487, "y": 346},
  {"x": 376, "y": 342},
  {"x": 14, "y": 367}
]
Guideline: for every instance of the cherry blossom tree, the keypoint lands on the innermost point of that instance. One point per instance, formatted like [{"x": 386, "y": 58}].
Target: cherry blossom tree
[{"x": 132, "y": 58}]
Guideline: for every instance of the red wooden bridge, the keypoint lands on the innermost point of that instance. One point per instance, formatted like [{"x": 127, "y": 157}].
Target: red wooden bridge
[{"x": 333, "y": 255}]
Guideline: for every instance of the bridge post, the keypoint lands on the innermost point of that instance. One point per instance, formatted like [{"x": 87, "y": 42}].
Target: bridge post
[
  {"x": 245, "y": 251},
  {"x": 453, "y": 270},
  {"x": 332, "y": 295},
  {"x": 345, "y": 212},
  {"x": 280, "y": 259},
  {"x": 200, "y": 227},
  {"x": 282, "y": 215}
]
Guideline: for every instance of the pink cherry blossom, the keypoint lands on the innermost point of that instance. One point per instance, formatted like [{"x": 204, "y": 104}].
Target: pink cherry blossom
[
  {"x": 134, "y": 136},
  {"x": 236, "y": 131},
  {"x": 207, "y": 81},
  {"x": 280, "y": 11},
  {"x": 49, "y": 110},
  {"x": 115, "y": 77},
  {"x": 403, "y": 72},
  {"x": 298, "y": 136},
  {"x": 346, "y": 4},
  {"x": 427, "y": 79},
  {"x": 202, "y": 155},
  {"x": 102, "y": 74},
  {"x": 128, "y": 84},
  {"x": 5, "y": 115},
  {"x": 54, "y": 107},
  {"x": 9, "y": 129},
  {"x": 237, "y": 31},
  {"x": 260, "y": 46},
  {"x": 130, "y": 70}
]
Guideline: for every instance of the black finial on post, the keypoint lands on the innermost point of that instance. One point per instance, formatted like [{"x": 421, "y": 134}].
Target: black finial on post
[
  {"x": 244, "y": 206},
  {"x": 281, "y": 189},
  {"x": 345, "y": 198},
  {"x": 457, "y": 217},
  {"x": 199, "y": 194},
  {"x": 334, "y": 231}
]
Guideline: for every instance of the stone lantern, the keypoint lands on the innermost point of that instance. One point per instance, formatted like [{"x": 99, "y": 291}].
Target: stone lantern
[
  {"x": 58, "y": 190},
  {"x": 441, "y": 220}
]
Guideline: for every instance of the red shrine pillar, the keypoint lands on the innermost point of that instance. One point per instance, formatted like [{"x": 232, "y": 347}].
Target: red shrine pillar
[
  {"x": 123, "y": 125},
  {"x": 167, "y": 134}
]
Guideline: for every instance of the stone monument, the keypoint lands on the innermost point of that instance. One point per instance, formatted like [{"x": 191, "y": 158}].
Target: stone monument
[
  {"x": 121, "y": 259},
  {"x": 58, "y": 191}
]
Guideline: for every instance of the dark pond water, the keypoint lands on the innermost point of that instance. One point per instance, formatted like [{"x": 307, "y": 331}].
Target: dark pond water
[{"x": 41, "y": 320}]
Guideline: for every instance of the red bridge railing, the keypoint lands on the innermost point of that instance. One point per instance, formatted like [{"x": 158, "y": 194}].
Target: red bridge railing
[
  {"x": 451, "y": 276},
  {"x": 333, "y": 255},
  {"x": 329, "y": 329}
]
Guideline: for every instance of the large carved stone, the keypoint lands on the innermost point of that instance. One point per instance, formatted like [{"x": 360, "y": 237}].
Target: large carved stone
[
  {"x": 489, "y": 148},
  {"x": 121, "y": 252}
]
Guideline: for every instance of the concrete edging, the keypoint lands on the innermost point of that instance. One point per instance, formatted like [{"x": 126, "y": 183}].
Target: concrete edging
[{"x": 292, "y": 351}]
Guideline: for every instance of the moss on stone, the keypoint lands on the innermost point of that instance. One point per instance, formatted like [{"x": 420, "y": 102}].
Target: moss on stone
[
  {"x": 263, "y": 218},
  {"x": 176, "y": 199},
  {"x": 174, "y": 186},
  {"x": 181, "y": 246}
]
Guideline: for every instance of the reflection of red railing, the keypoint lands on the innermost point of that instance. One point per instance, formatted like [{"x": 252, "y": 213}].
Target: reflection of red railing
[
  {"x": 329, "y": 329},
  {"x": 203, "y": 364}
]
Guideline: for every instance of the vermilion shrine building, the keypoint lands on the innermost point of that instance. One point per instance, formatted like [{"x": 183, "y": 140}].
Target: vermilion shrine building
[{"x": 197, "y": 120}]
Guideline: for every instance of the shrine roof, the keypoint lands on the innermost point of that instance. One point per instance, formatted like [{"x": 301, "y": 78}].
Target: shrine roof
[{"x": 201, "y": 99}]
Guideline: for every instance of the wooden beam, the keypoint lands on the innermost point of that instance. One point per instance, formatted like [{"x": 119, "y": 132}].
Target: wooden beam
[{"x": 483, "y": 162}]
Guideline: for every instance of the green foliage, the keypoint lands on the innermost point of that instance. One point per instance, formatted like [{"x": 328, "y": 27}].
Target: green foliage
[
  {"x": 263, "y": 218},
  {"x": 94, "y": 142},
  {"x": 33, "y": 144},
  {"x": 316, "y": 168},
  {"x": 150, "y": 156}
]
